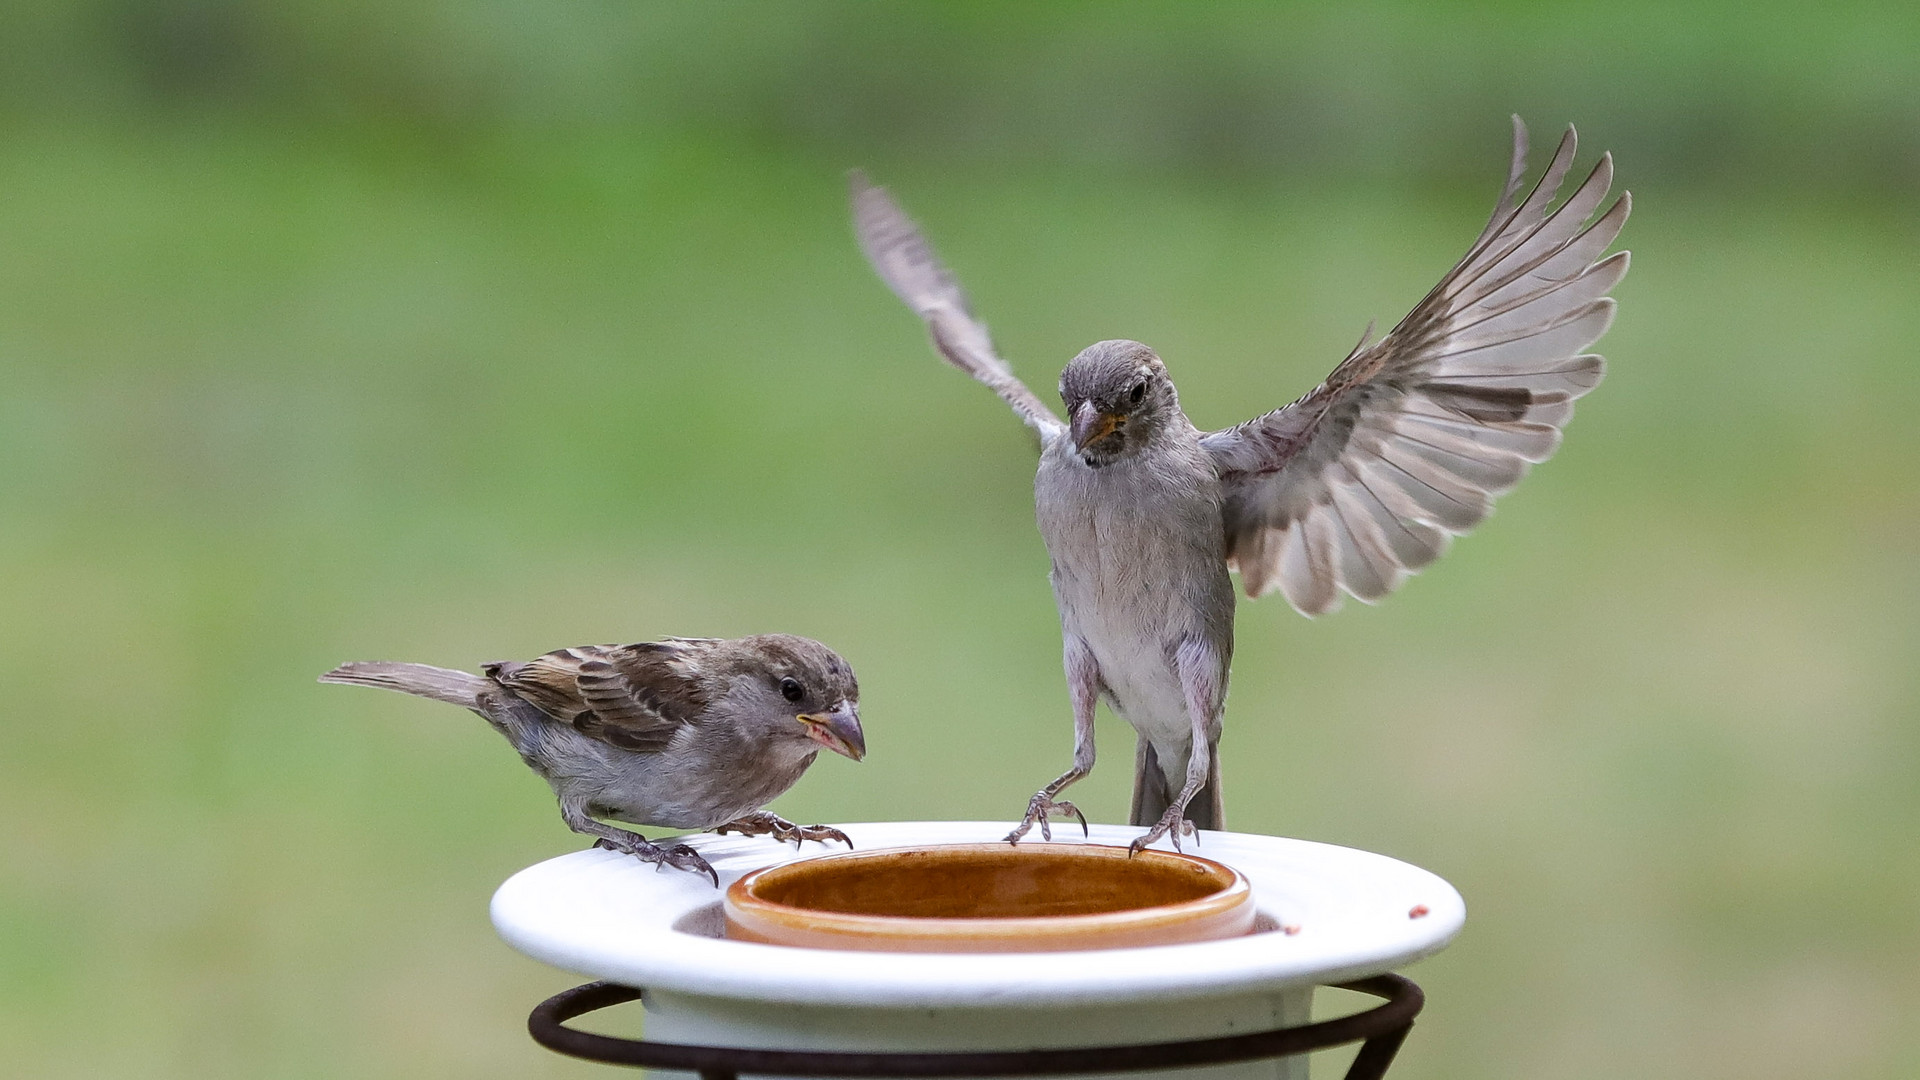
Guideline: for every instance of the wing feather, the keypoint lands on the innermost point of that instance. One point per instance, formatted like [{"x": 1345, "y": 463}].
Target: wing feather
[
  {"x": 1367, "y": 478},
  {"x": 635, "y": 697},
  {"x": 907, "y": 263}
]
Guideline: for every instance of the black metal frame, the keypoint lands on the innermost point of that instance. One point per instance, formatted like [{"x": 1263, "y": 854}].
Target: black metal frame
[{"x": 1384, "y": 1027}]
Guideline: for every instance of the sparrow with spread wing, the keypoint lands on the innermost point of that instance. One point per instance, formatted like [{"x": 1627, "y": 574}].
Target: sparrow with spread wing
[
  {"x": 685, "y": 733},
  {"x": 1353, "y": 487}
]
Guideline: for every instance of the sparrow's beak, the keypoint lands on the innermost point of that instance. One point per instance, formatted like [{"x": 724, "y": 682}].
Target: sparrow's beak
[
  {"x": 1090, "y": 425},
  {"x": 838, "y": 731}
]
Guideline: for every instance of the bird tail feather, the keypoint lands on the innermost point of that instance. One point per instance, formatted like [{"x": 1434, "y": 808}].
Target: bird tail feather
[
  {"x": 421, "y": 680},
  {"x": 1152, "y": 793}
]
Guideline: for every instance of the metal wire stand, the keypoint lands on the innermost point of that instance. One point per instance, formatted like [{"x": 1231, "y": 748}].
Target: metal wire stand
[{"x": 1384, "y": 1027}]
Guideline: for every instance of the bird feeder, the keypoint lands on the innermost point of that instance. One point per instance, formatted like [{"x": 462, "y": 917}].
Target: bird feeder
[{"x": 931, "y": 950}]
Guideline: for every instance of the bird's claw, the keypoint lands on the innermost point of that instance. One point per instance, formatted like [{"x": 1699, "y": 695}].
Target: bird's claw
[
  {"x": 819, "y": 834},
  {"x": 1040, "y": 809},
  {"x": 1172, "y": 825},
  {"x": 683, "y": 857},
  {"x": 763, "y": 823},
  {"x": 679, "y": 856}
]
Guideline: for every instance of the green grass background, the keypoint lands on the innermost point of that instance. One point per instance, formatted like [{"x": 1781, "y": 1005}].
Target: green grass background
[{"x": 455, "y": 332}]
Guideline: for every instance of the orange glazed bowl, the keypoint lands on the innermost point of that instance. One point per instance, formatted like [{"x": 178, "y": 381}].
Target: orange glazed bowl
[{"x": 990, "y": 898}]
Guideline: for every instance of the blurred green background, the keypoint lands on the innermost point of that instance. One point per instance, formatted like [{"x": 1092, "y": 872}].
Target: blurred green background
[{"x": 461, "y": 331}]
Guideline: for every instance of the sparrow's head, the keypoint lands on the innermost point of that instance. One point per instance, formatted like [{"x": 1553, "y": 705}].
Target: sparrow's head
[
  {"x": 1118, "y": 398},
  {"x": 803, "y": 690}
]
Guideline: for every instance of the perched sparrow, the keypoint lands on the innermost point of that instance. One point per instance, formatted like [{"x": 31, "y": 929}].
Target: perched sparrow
[
  {"x": 1352, "y": 487},
  {"x": 686, "y": 733}
]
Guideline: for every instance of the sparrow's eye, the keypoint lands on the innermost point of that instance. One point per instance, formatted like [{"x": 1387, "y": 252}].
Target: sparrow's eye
[
  {"x": 1139, "y": 391},
  {"x": 791, "y": 689}
]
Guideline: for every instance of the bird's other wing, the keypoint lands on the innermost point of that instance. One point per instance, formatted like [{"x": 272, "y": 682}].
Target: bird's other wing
[
  {"x": 906, "y": 262},
  {"x": 634, "y": 697},
  {"x": 1367, "y": 478}
]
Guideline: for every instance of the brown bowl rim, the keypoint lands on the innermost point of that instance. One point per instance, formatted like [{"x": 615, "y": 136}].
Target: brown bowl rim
[{"x": 1237, "y": 892}]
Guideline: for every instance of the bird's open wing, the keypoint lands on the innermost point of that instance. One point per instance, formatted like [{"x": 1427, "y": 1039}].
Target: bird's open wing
[
  {"x": 1367, "y": 478},
  {"x": 634, "y": 697},
  {"x": 906, "y": 262}
]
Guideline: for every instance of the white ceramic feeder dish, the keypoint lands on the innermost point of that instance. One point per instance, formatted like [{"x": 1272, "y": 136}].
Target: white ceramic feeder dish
[{"x": 1327, "y": 914}]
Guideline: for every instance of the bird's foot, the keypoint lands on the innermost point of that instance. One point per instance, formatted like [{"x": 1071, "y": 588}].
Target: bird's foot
[
  {"x": 1040, "y": 809},
  {"x": 1173, "y": 825},
  {"x": 679, "y": 856},
  {"x": 762, "y": 823}
]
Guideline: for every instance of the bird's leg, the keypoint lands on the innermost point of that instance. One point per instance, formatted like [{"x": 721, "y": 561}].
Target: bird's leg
[
  {"x": 1083, "y": 687},
  {"x": 1200, "y": 672},
  {"x": 762, "y": 823},
  {"x": 679, "y": 856}
]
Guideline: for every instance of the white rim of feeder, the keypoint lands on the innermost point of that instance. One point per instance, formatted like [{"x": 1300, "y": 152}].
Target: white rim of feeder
[{"x": 1328, "y": 914}]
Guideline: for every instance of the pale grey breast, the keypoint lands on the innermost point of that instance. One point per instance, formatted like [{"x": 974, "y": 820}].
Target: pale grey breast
[
  {"x": 1139, "y": 565},
  {"x": 710, "y": 780}
]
